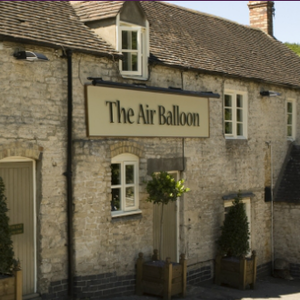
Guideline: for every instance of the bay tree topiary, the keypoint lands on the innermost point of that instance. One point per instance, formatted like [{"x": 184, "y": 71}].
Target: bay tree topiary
[
  {"x": 163, "y": 189},
  {"x": 6, "y": 245},
  {"x": 234, "y": 239}
]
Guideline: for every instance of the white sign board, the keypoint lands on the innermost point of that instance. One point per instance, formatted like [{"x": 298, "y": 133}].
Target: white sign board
[{"x": 116, "y": 111}]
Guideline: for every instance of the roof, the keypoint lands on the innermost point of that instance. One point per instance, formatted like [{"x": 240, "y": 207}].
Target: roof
[
  {"x": 97, "y": 10},
  {"x": 49, "y": 23},
  {"x": 190, "y": 39},
  {"x": 288, "y": 189}
]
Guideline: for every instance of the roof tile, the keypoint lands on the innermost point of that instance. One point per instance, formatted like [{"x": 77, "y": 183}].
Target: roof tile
[
  {"x": 187, "y": 38},
  {"x": 49, "y": 23}
]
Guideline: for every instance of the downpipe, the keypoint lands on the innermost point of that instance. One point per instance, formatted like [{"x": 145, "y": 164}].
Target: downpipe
[{"x": 68, "y": 174}]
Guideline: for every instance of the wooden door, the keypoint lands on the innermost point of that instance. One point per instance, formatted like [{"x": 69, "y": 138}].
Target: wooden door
[
  {"x": 170, "y": 228},
  {"x": 18, "y": 180}
]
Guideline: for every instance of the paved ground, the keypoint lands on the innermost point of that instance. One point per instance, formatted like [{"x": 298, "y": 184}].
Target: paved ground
[{"x": 268, "y": 288}]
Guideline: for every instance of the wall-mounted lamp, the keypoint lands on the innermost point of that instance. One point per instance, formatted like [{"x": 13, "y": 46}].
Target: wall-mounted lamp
[
  {"x": 269, "y": 93},
  {"x": 30, "y": 56}
]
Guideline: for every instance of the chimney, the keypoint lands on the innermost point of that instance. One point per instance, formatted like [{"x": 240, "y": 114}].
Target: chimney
[{"x": 261, "y": 15}]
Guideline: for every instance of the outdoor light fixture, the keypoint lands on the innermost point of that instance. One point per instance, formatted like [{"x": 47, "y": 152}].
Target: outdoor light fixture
[
  {"x": 269, "y": 93},
  {"x": 30, "y": 56}
]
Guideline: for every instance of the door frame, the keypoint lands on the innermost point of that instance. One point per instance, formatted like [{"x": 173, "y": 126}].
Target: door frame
[{"x": 13, "y": 159}]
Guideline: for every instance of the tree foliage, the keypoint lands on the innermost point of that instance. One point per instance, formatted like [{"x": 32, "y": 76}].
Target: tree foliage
[
  {"x": 294, "y": 47},
  {"x": 234, "y": 240},
  {"x": 163, "y": 188},
  {"x": 6, "y": 245}
]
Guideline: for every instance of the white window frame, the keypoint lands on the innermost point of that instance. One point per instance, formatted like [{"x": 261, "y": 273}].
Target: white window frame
[
  {"x": 291, "y": 137},
  {"x": 247, "y": 203},
  {"x": 234, "y": 109},
  {"x": 123, "y": 160},
  {"x": 142, "y": 51}
]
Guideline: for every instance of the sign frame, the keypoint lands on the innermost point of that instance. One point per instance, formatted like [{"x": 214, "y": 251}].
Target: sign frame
[{"x": 110, "y": 105}]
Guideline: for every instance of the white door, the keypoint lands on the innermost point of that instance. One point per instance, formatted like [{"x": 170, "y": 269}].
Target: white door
[
  {"x": 18, "y": 181},
  {"x": 170, "y": 228}
]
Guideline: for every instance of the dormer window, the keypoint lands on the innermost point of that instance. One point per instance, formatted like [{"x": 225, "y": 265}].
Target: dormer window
[
  {"x": 133, "y": 43},
  {"x": 124, "y": 26}
]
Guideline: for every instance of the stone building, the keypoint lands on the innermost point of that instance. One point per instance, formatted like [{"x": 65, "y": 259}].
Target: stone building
[{"x": 97, "y": 96}]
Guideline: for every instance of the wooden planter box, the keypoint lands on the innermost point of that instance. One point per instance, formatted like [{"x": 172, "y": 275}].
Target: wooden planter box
[
  {"x": 161, "y": 278},
  {"x": 235, "y": 272},
  {"x": 11, "y": 287}
]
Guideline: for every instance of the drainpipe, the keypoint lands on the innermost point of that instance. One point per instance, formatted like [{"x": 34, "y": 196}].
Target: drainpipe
[
  {"x": 68, "y": 174},
  {"x": 272, "y": 207}
]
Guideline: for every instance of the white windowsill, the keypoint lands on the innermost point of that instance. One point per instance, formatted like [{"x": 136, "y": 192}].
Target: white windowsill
[
  {"x": 135, "y": 77},
  {"x": 117, "y": 214},
  {"x": 235, "y": 138}
]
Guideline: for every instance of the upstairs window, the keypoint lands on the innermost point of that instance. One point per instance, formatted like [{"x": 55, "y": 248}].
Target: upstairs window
[
  {"x": 124, "y": 184},
  {"x": 235, "y": 115},
  {"x": 131, "y": 50},
  {"x": 291, "y": 119},
  {"x": 133, "y": 43}
]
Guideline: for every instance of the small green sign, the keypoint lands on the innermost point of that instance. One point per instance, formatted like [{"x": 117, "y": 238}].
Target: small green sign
[{"x": 17, "y": 229}]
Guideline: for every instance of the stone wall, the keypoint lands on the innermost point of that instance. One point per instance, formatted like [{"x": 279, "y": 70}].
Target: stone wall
[
  {"x": 34, "y": 110},
  {"x": 286, "y": 234}
]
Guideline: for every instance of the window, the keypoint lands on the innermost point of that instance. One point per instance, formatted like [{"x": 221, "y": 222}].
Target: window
[
  {"x": 124, "y": 185},
  {"x": 235, "y": 115},
  {"x": 247, "y": 203},
  {"x": 133, "y": 43},
  {"x": 291, "y": 119}
]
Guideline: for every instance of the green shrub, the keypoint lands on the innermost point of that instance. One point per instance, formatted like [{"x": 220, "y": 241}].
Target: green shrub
[
  {"x": 234, "y": 240},
  {"x": 6, "y": 245}
]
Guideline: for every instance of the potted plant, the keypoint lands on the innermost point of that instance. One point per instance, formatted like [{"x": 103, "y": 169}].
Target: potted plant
[
  {"x": 162, "y": 278},
  {"x": 232, "y": 266},
  {"x": 10, "y": 273}
]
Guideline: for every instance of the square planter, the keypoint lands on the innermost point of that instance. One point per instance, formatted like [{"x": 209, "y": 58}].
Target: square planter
[
  {"x": 11, "y": 286},
  {"x": 236, "y": 272},
  {"x": 161, "y": 278}
]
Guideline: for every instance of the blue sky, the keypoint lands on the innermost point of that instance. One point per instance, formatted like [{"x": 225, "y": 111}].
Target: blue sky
[{"x": 286, "y": 20}]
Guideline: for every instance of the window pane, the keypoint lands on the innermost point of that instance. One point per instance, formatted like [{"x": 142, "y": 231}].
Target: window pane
[
  {"x": 239, "y": 129},
  {"x": 115, "y": 174},
  {"x": 289, "y": 107},
  {"x": 228, "y": 127},
  {"x": 115, "y": 199},
  {"x": 134, "y": 45},
  {"x": 134, "y": 62},
  {"x": 125, "y": 61},
  {"x": 239, "y": 100},
  {"x": 130, "y": 196},
  {"x": 228, "y": 100},
  {"x": 289, "y": 119},
  {"x": 130, "y": 62},
  {"x": 228, "y": 114},
  {"x": 289, "y": 131},
  {"x": 129, "y": 174},
  {"x": 129, "y": 40},
  {"x": 239, "y": 115},
  {"x": 125, "y": 39}
]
